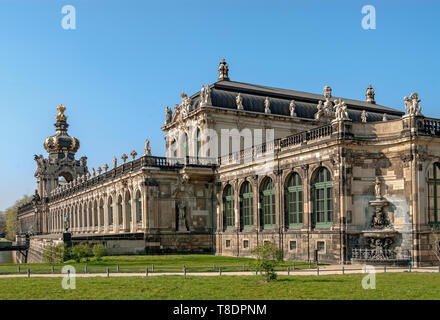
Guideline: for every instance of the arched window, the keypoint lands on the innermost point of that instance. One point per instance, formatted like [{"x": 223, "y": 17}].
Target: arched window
[
  {"x": 110, "y": 211},
  {"x": 138, "y": 206},
  {"x": 80, "y": 218},
  {"x": 199, "y": 143},
  {"x": 119, "y": 218},
  {"x": 185, "y": 147},
  {"x": 101, "y": 212},
  {"x": 323, "y": 200},
  {"x": 434, "y": 193},
  {"x": 246, "y": 206},
  {"x": 95, "y": 213},
  {"x": 267, "y": 198},
  {"x": 128, "y": 206},
  {"x": 228, "y": 207},
  {"x": 90, "y": 215},
  {"x": 294, "y": 203},
  {"x": 174, "y": 149}
]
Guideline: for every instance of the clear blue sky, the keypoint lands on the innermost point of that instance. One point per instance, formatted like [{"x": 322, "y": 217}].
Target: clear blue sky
[{"x": 128, "y": 60}]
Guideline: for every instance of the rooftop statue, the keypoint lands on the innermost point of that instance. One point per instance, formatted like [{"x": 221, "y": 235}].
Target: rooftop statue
[
  {"x": 267, "y": 105},
  {"x": 147, "y": 148},
  {"x": 369, "y": 94},
  {"x": 239, "y": 102},
  {"x": 412, "y": 106},
  {"x": 292, "y": 108}
]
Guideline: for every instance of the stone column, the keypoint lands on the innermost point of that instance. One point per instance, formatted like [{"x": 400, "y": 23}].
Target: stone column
[
  {"x": 144, "y": 207},
  {"x": 236, "y": 205},
  {"x": 106, "y": 218},
  {"x": 133, "y": 212}
]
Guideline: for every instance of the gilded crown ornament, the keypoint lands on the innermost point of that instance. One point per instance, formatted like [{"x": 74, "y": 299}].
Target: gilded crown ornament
[{"x": 60, "y": 116}]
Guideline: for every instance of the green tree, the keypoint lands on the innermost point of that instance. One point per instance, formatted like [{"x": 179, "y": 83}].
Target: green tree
[
  {"x": 54, "y": 253},
  {"x": 81, "y": 251},
  {"x": 2, "y": 224},
  {"x": 11, "y": 217},
  {"x": 99, "y": 251},
  {"x": 268, "y": 257}
]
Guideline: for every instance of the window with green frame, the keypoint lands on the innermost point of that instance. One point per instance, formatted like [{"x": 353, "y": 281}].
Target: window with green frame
[
  {"x": 322, "y": 198},
  {"x": 228, "y": 207},
  {"x": 294, "y": 203},
  {"x": 267, "y": 196},
  {"x": 246, "y": 203},
  {"x": 434, "y": 194}
]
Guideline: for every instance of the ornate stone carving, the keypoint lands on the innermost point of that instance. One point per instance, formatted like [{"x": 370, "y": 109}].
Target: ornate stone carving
[
  {"x": 168, "y": 115},
  {"x": 377, "y": 188},
  {"x": 185, "y": 107},
  {"x": 292, "y": 108},
  {"x": 364, "y": 116},
  {"x": 124, "y": 158},
  {"x": 341, "y": 110},
  {"x": 223, "y": 70},
  {"x": 369, "y": 94},
  {"x": 115, "y": 162},
  {"x": 267, "y": 105},
  {"x": 205, "y": 96},
  {"x": 93, "y": 173},
  {"x": 385, "y": 117},
  {"x": 182, "y": 216},
  {"x": 133, "y": 154},
  {"x": 239, "y": 102},
  {"x": 147, "y": 148},
  {"x": 320, "y": 113},
  {"x": 105, "y": 167},
  {"x": 412, "y": 106},
  {"x": 99, "y": 170}
]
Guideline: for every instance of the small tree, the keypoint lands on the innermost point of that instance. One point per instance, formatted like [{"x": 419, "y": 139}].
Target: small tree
[
  {"x": 54, "y": 253},
  {"x": 268, "y": 257},
  {"x": 99, "y": 251},
  {"x": 81, "y": 251}
]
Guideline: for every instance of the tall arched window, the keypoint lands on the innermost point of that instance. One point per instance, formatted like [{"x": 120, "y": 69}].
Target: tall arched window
[
  {"x": 199, "y": 143},
  {"x": 90, "y": 215},
  {"x": 185, "y": 146},
  {"x": 95, "y": 213},
  {"x": 228, "y": 207},
  {"x": 101, "y": 212},
  {"x": 246, "y": 206},
  {"x": 267, "y": 198},
  {"x": 174, "y": 149},
  {"x": 138, "y": 206},
  {"x": 110, "y": 211},
  {"x": 119, "y": 218},
  {"x": 323, "y": 200},
  {"x": 294, "y": 203},
  {"x": 128, "y": 206},
  {"x": 434, "y": 193}
]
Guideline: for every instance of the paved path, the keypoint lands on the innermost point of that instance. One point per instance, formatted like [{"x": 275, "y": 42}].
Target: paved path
[{"x": 323, "y": 270}]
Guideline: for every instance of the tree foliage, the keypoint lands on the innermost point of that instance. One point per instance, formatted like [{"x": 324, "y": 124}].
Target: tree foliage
[
  {"x": 11, "y": 217},
  {"x": 268, "y": 257},
  {"x": 54, "y": 253}
]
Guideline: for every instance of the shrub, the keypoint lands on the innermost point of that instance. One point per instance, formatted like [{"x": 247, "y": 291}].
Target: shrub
[
  {"x": 268, "y": 257},
  {"x": 81, "y": 251},
  {"x": 99, "y": 251},
  {"x": 54, "y": 253}
]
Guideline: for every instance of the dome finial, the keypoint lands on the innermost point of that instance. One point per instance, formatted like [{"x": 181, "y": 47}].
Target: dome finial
[
  {"x": 370, "y": 94},
  {"x": 60, "y": 116},
  {"x": 223, "y": 70}
]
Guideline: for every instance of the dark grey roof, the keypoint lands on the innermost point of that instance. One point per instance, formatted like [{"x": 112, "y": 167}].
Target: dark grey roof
[{"x": 223, "y": 95}]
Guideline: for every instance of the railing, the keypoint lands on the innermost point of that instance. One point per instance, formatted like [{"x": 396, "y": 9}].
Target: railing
[
  {"x": 378, "y": 255},
  {"x": 135, "y": 165},
  {"x": 252, "y": 154},
  {"x": 431, "y": 126}
]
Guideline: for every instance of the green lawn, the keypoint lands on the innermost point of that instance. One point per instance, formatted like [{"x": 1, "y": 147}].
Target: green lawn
[
  {"x": 160, "y": 262},
  {"x": 388, "y": 286}
]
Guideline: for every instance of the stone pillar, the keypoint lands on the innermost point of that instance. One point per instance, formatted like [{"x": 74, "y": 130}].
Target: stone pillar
[
  {"x": 106, "y": 220},
  {"x": 133, "y": 212},
  {"x": 236, "y": 205},
  {"x": 144, "y": 207}
]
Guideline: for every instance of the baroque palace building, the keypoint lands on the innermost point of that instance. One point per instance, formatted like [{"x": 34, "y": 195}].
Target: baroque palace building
[{"x": 319, "y": 176}]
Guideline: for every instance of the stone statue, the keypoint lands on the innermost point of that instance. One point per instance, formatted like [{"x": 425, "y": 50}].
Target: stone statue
[
  {"x": 385, "y": 117},
  {"x": 133, "y": 154},
  {"x": 186, "y": 104},
  {"x": 66, "y": 223},
  {"x": 205, "y": 96},
  {"x": 267, "y": 105},
  {"x": 168, "y": 115},
  {"x": 93, "y": 172},
  {"x": 292, "y": 108},
  {"x": 341, "y": 110},
  {"x": 105, "y": 167},
  {"x": 147, "y": 148},
  {"x": 124, "y": 158},
  {"x": 115, "y": 162},
  {"x": 320, "y": 113},
  {"x": 239, "y": 102},
  {"x": 182, "y": 216},
  {"x": 364, "y": 116},
  {"x": 377, "y": 187},
  {"x": 99, "y": 170},
  {"x": 412, "y": 106}
]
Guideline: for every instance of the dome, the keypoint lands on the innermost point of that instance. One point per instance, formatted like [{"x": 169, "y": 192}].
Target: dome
[{"x": 61, "y": 143}]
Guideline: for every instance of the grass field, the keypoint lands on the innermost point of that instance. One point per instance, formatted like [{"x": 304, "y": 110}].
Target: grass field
[
  {"x": 160, "y": 263},
  {"x": 388, "y": 286}
]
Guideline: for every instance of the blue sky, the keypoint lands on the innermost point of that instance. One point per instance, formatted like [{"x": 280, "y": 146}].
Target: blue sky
[{"x": 128, "y": 60}]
